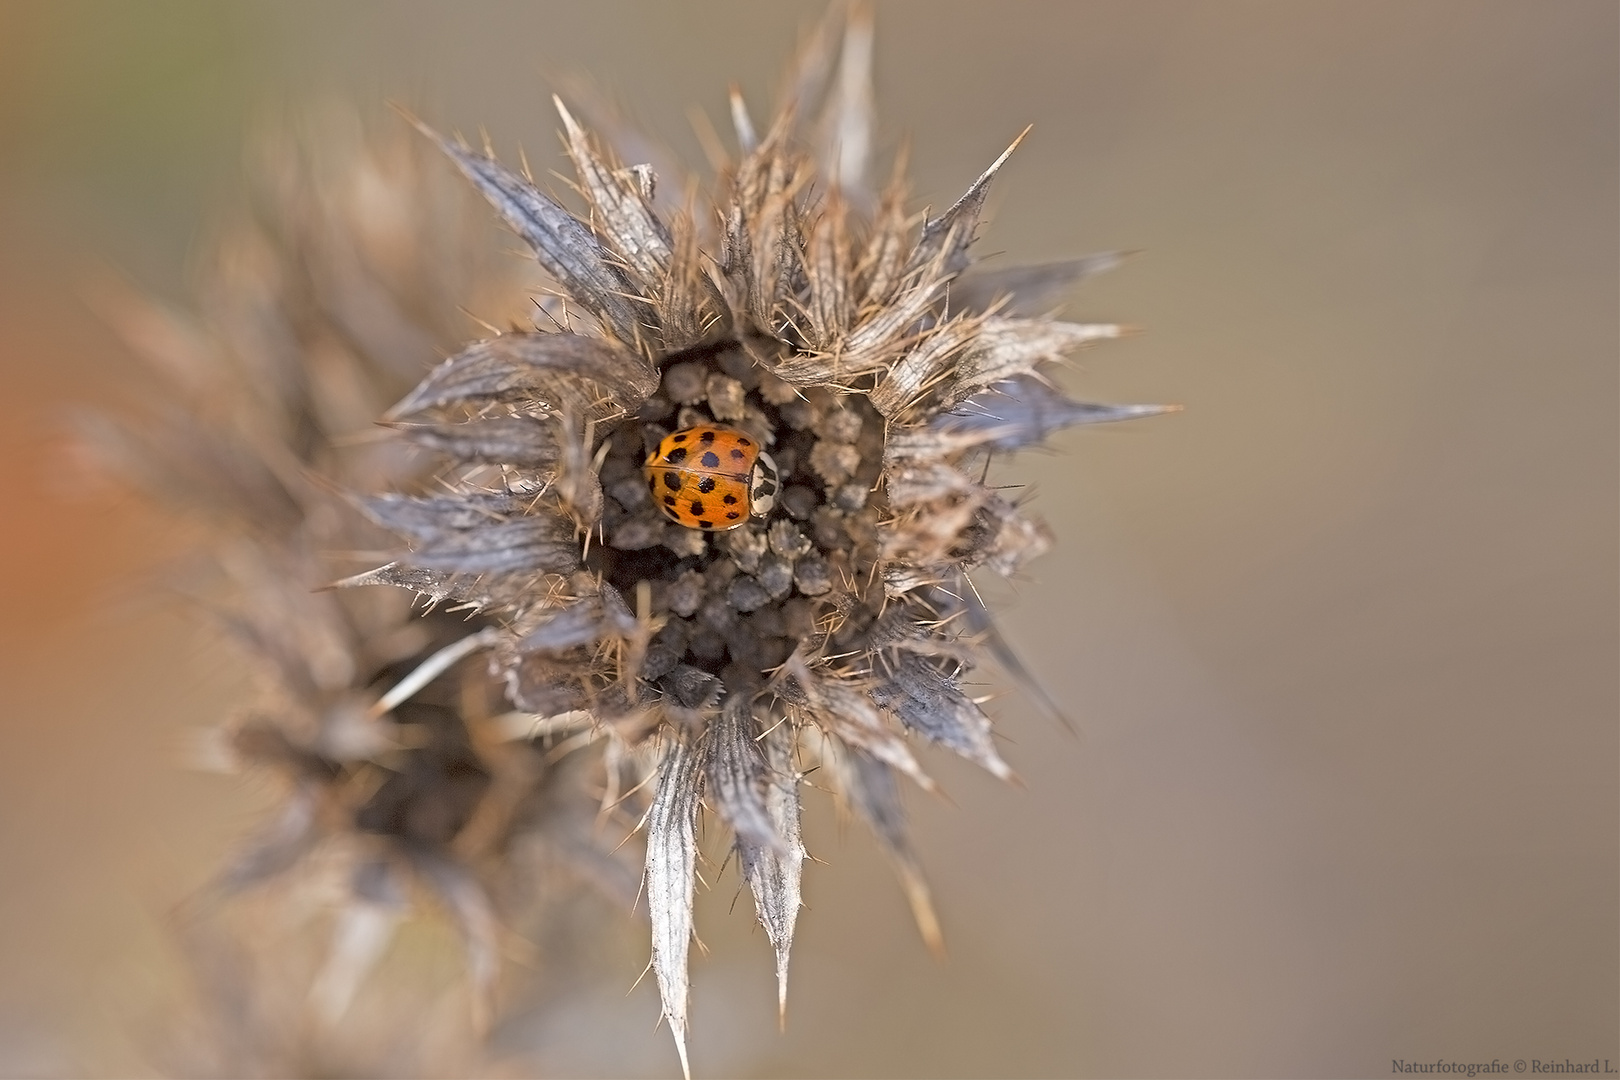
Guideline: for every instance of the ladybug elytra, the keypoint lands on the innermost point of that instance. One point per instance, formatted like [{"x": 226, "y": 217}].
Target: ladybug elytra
[{"x": 711, "y": 477}]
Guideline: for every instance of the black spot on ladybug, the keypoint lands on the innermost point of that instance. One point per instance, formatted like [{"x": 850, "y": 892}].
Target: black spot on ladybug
[
  {"x": 676, "y": 456},
  {"x": 744, "y": 442},
  {"x": 672, "y": 481},
  {"x": 738, "y": 455},
  {"x": 710, "y": 459},
  {"x": 669, "y": 500},
  {"x": 706, "y": 438},
  {"x": 705, "y": 524},
  {"x": 697, "y": 506},
  {"x": 733, "y": 516},
  {"x": 706, "y": 484},
  {"x": 678, "y": 438},
  {"x": 730, "y": 500}
]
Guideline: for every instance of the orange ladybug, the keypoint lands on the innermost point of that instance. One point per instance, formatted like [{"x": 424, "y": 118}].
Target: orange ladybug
[{"x": 711, "y": 477}]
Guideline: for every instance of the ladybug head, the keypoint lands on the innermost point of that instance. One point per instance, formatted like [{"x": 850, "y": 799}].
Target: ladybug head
[{"x": 762, "y": 484}]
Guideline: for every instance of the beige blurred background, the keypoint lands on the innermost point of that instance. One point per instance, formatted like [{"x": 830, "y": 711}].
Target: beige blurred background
[{"x": 1341, "y": 637}]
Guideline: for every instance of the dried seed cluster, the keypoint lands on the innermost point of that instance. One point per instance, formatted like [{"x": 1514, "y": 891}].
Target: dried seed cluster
[{"x": 737, "y": 603}]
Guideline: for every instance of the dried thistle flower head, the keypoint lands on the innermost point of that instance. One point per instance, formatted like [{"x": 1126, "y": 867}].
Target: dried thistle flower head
[
  {"x": 812, "y": 316},
  {"x": 400, "y": 777},
  {"x": 603, "y": 639}
]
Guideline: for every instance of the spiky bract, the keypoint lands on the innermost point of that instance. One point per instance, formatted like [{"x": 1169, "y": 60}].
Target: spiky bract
[{"x": 861, "y": 345}]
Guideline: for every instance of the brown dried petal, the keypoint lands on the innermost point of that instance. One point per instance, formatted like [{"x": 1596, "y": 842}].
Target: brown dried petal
[
  {"x": 1026, "y": 290},
  {"x": 870, "y": 787},
  {"x": 839, "y": 708},
  {"x": 436, "y": 585},
  {"x": 1005, "y": 539},
  {"x": 536, "y": 542},
  {"x": 563, "y": 245},
  {"x": 578, "y": 624},
  {"x": 880, "y": 264},
  {"x": 909, "y": 482},
  {"x": 983, "y": 629},
  {"x": 930, "y": 702},
  {"x": 691, "y": 688},
  {"x": 737, "y": 775},
  {"x": 873, "y": 342},
  {"x": 926, "y": 364},
  {"x": 504, "y": 440},
  {"x": 671, "y": 870},
  {"x": 666, "y": 649},
  {"x": 621, "y": 214},
  {"x": 428, "y": 517},
  {"x": 542, "y": 685},
  {"x": 1008, "y": 347},
  {"x": 587, "y": 375},
  {"x": 950, "y": 234},
  {"x": 830, "y": 308},
  {"x": 773, "y": 875},
  {"x": 1023, "y": 411}
]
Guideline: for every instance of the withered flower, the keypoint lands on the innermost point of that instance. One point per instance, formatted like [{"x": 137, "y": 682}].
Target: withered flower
[
  {"x": 401, "y": 778},
  {"x": 858, "y": 344},
  {"x": 589, "y": 652}
]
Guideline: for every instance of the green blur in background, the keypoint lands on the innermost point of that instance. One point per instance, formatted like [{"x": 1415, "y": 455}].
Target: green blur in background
[{"x": 1341, "y": 638}]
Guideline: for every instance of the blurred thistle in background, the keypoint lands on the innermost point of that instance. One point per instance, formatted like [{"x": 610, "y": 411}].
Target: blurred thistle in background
[
  {"x": 657, "y": 669},
  {"x": 321, "y": 306}
]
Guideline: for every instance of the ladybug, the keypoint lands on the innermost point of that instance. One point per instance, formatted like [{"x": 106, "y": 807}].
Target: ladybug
[{"x": 711, "y": 477}]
